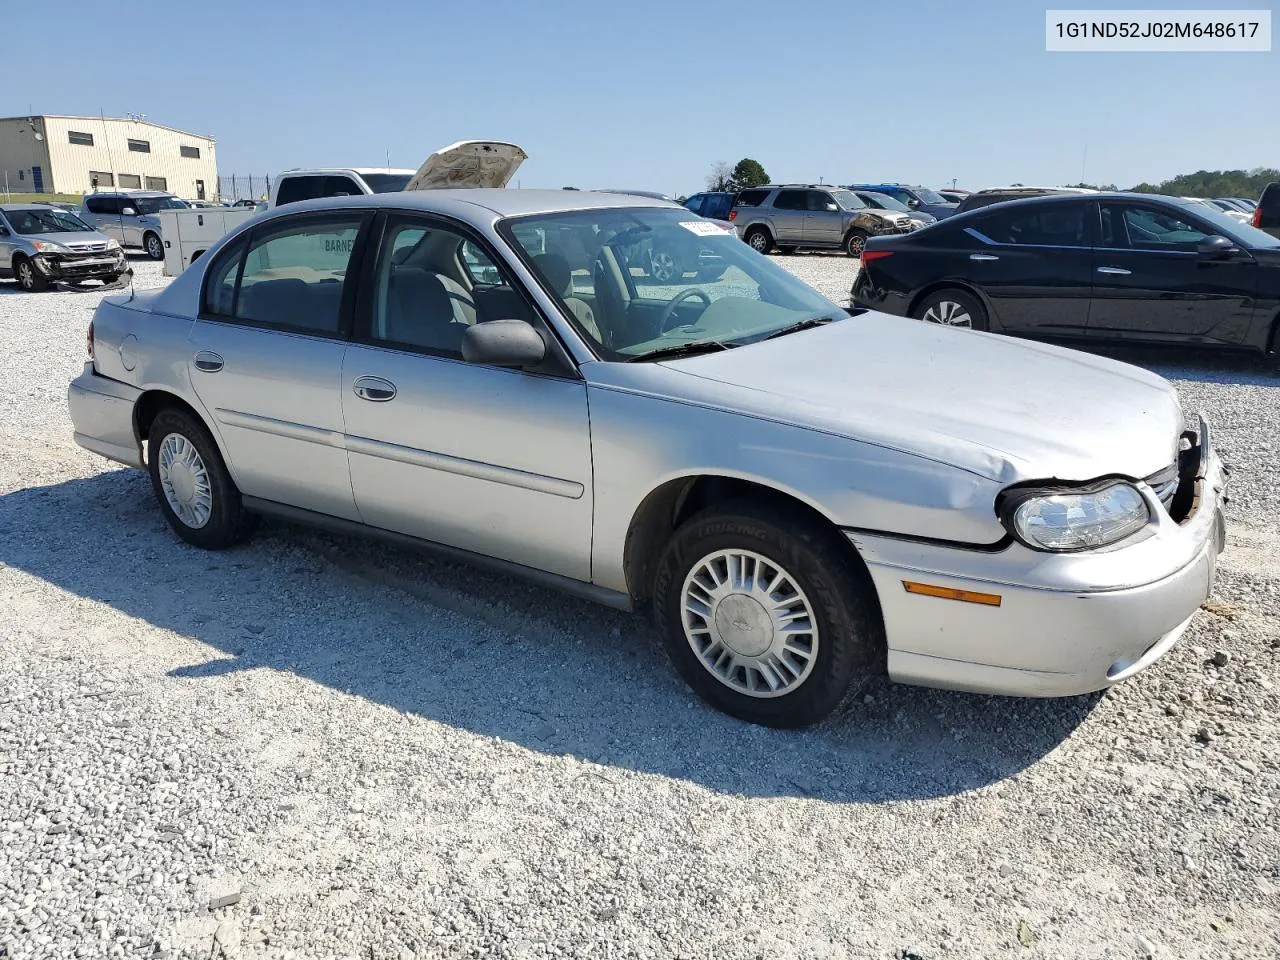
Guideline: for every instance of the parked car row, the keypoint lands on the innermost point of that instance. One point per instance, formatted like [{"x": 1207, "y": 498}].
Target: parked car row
[{"x": 41, "y": 245}]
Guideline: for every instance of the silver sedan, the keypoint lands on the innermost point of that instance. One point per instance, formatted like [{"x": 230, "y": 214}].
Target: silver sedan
[{"x": 799, "y": 494}]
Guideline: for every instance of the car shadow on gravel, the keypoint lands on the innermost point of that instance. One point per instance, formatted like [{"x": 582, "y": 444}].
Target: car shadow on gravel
[
  {"x": 1190, "y": 363},
  {"x": 496, "y": 656}
]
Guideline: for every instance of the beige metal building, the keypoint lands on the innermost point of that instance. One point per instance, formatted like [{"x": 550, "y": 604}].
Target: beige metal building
[{"x": 47, "y": 154}]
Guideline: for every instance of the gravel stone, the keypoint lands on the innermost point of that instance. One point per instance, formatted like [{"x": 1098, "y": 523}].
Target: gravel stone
[{"x": 393, "y": 756}]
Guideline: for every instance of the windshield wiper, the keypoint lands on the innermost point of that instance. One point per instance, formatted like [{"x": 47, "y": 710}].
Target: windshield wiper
[
  {"x": 682, "y": 350},
  {"x": 796, "y": 327}
]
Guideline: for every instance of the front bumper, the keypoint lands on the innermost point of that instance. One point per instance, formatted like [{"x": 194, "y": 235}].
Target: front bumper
[
  {"x": 1065, "y": 624},
  {"x": 102, "y": 415},
  {"x": 59, "y": 266}
]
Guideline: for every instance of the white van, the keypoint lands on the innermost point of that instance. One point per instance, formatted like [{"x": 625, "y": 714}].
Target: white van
[{"x": 189, "y": 233}]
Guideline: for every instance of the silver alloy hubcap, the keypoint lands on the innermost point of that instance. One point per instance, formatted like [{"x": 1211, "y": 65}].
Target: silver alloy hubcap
[
  {"x": 662, "y": 266},
  {"x": 758, "y": 242},
  {"x": 25, "y": 275},
  {"x": 154, "y": 248},
  {"x": 749, "y": 623},
  {"x": 950, "y": 313},
  {"x": 185, "y": 481}
]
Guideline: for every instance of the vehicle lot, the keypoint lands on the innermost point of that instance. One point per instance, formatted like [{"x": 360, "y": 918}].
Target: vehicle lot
[{"x": 390, "y": 756}]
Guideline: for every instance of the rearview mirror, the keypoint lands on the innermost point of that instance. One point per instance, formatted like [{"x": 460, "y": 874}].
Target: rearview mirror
[
  {"x": 503, "y": 343},
  {"x": 128, "y": 212},
  {"x": 1215, "y": 247}
]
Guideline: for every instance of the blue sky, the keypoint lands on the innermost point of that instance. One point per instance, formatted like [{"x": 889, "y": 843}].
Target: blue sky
[{"x": 649, "y": 95}]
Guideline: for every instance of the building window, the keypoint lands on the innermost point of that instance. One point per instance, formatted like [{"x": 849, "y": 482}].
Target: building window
[
  {"x": 82, "y": 139},
  {"x": 191, "y": 153},
  {"x": 100, "y": 179},
  {"x": 130, "y": 181},
  {"x": 22, "y": 174},
  {"x": 140, "y": 146},
  {"x": 157, "y": 183},
  {"x": 199, "y": 189}
]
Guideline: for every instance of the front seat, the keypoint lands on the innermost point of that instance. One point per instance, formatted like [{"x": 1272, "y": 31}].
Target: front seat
[
  {"x": 419, "y": 311},
  {"x": 555, "y": 269}
]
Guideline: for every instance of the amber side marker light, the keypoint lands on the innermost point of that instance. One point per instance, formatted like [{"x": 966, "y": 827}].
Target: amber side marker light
[{"x": 948, "y": 593}]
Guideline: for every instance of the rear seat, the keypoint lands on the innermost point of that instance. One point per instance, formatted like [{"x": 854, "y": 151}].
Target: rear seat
[{"x": 293, "y": 302}]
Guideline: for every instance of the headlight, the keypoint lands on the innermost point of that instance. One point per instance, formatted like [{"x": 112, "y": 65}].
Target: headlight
[
  {"x": 113, "y": 245},
  {"x": 45, "y": 246},
  {"x": 1078, "y": 519}
]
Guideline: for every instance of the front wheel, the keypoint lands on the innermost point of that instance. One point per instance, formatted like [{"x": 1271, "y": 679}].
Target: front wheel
[
  {"x": 155, "y": 249},
  {"x": 29, "y": 278},
  {"x": 855, "y": 243},
  {"x": 765, "y": 613},
  {"x": 195, "y": 491},
  {"x": 952, "y": 308}
]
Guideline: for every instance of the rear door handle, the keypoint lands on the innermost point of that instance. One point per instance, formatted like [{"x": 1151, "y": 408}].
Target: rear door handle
[
  {"x": 1115, "y": 271},
  {"x": 983, "y": 256},
  {"x": 208, "y": 361},
  {"x": 375, "y": 389}
]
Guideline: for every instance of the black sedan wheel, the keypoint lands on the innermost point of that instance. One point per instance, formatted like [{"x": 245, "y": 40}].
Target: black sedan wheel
[{"x": 952, "y": 308}]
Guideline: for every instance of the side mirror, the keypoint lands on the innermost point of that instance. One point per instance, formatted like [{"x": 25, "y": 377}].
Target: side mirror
[
  {"x": 4, "y": 231},
  {"x": 913, "y": 203},
  {"x": 128, "y": 212},
  {"x": 503, "y": 343},
  {"x": 832, "y": 208},
  {"x": 1215, "y": 248}
]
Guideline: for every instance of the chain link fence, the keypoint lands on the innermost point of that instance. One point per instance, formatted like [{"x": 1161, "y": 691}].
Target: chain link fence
[{"x": 244, "y": 186}]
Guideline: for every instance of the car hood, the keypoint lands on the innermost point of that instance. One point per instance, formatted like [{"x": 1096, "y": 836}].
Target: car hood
[
  {"x": 67, "y": 239},
  {"x": 1010, "y": 410},
  {"x": 469, "y": 163}
]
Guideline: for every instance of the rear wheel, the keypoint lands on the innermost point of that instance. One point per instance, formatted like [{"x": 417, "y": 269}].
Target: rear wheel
[
  {"x": 196, "y": 493},
  {"x": 155, "y": 249},
  {"x": 952, "y": 308},
  {"x": 766, "y": 614},
  {"x": 758, "y": 239},
  {"x": 29, "y": 277}
]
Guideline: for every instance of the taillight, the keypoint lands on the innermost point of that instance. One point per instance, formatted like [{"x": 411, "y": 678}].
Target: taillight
[
  {"x": 869, "y": 255},
  {"x": 1257, "y": 216},
  {"x": 733, "y": 215},
  {"x": 88, "y": 340}
]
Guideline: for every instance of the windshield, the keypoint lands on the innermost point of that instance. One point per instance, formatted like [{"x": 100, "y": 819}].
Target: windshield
[
  {"x": 386, "y": 182},
  {"x": 848, "y": 199},
  {"x": 1234, "y": 228},
  {"x": 148, "y": 205},
  {"x": 929, "y": 196},
  {"x": 43, "y": 220},
  {"x": 640, "y": 280},
  {"x": 886, "y": 202}
]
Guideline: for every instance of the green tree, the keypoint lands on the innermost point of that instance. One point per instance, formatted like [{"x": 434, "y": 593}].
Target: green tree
[
  {"x": 749, "y": 173},
  {"x": 1214, "y": 183}
]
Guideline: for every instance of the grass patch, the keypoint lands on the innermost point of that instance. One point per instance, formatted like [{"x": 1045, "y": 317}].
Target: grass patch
[{"x": 73, "y": 199}]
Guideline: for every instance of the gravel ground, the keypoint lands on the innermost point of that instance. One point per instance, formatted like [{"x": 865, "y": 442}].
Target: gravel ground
[{"x": 317, "y": 747}]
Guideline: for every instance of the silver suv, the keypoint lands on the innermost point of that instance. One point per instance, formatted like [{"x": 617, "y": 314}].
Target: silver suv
[
  {"x": 813, "y": 216},
  {"x": 41, "y": 244},
  {"x": 131, "y": 217}
]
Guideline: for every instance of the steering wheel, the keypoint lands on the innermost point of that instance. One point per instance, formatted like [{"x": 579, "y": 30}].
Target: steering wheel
[{"x": 680, "y": 298}]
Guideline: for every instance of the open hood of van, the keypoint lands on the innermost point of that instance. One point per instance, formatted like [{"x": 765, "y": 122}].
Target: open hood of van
[{"x": 469, "y": 163}]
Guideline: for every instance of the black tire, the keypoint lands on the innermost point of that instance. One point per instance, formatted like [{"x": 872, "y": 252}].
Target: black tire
[
  {"x": 228, "y": 523},
  {"x": 854, "y": 242},
  {"x": 758, "y": 239},
  {"x": 849, "y": 636},
  {"x": 28, "y": 277},
  {"x": 153, "y": 245},
  {"x": 934, "y": 308},
  {"x": 788, "y": 250}
]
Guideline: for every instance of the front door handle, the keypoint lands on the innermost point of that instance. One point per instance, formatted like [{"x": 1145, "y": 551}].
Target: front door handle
[
  {"x": 208, "y": 361},
  {"x": 983, "y": 256},
  {"x": 1115, "y": 271},
  {"x": 375, "y": 389}
]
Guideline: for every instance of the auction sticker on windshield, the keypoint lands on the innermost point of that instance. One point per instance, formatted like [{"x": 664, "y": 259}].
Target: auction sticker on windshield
[{"x": 704, "y": 228}]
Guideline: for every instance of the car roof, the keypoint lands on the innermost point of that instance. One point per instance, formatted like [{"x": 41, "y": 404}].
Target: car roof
[
  {"x": 1087, "y": 197},
  {"x": 401, "y": 171},
  {"x": 501, "y": 201},
  {"x": 121, "y": 192}
]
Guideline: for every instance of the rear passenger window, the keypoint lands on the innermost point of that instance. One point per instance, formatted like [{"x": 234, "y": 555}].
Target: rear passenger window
[
  {"x": 1060, "y": 225},
  {"x": 293, "y": 276},
  {"x": 103, "y": 204},
  {"x": 751, "y": 198},
  {"x": 792, "y": 200}
]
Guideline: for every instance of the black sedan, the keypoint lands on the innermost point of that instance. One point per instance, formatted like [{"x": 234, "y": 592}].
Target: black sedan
[{"x": 1097, "y": 266}]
